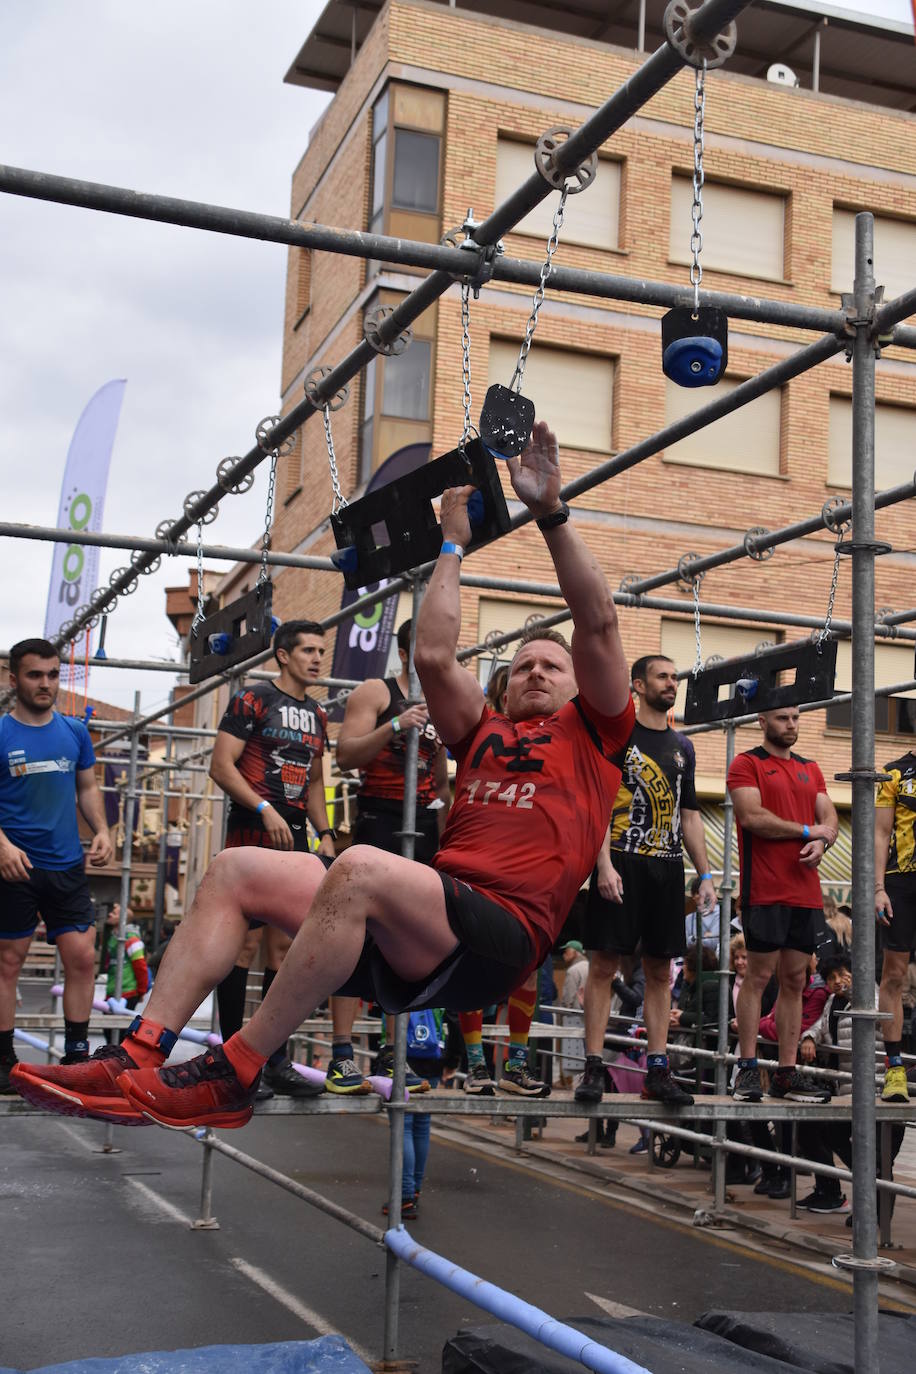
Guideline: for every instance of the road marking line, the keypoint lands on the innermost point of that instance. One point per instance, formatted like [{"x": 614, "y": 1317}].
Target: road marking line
[
  {"x": 615, "y": 1309},
  {"x": 294, "y": 1305},
  {"x": 160, "y": 1202}
]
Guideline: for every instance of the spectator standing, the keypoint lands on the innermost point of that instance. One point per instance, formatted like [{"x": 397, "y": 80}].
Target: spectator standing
[
  {"x": 572, "y": 994},
  {"x": 786, "y": 822},
  {"x": 638, "y": 898},
  {"x": 373, "y": 738},
  {"x": 426, "y": 1033},
  {"x": 267, "y": 759},
  {"x": 895, "y": 908},
  {"x": 46, "y": 772}
]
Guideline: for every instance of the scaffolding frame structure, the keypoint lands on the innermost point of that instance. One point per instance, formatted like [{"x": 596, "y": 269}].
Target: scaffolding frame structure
[{"x": 861, "y": 329}]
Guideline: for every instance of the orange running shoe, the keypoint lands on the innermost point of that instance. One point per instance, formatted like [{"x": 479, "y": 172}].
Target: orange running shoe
[
  {"x": 200, "y": 1092},
  {"x": 86, "y": 1089}
]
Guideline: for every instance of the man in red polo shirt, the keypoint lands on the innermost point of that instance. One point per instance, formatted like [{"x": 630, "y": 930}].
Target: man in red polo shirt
[
  {"x": 533, "y": 792},
  {"x": 786, "y": 822}
]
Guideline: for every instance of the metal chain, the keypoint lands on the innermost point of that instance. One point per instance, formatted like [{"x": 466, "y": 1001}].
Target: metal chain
[
  {"x": 268, "y": 516},
  {"x": 339, "y": 500},
  {"x": 696, "y": 214},
  {"x": 199, "y": 616},
  {"x": 821, "y": 636},
  {"x": 538, "y": 301},
  {"x": 698, "y": 664},
  {"x": 466, "y": 360}
]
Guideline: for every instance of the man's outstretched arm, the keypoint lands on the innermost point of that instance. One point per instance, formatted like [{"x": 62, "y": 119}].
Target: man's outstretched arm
[
  {"x": 454, "y": 697},
  {"x": 598, "y": 657}
]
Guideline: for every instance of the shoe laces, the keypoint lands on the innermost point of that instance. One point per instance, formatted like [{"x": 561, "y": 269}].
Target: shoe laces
[
  {"x": 345, "y": 1067},
  {"x": 204, "y": 1068}
]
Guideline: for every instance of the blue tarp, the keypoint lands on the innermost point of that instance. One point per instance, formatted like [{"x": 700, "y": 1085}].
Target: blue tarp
[{"x": 329, "y": 1355}]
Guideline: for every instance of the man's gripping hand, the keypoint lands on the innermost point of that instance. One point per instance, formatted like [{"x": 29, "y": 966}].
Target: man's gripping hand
[
  {"x": 535, "y": 474},
  {"x": 453, "y": 515}
]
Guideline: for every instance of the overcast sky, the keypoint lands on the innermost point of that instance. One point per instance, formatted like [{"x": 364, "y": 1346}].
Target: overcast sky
[{"x": 184, "y": 98}]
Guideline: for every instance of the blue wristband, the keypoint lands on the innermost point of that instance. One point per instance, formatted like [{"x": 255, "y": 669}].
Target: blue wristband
[
  {"x": 260, "y": 806},
  {"x": 806, "y": 832},
  {"x": 705, "y": 877},
  {"x": 449, "y": 546}
]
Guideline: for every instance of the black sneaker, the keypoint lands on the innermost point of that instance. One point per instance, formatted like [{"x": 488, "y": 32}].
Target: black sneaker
[
  {"x": 797, "y": 1087},
  {"x": 590, "y": 1087},
  {"x": 660, "y": 1086},
  {"x": 778, "y": 1186},
  {"x": 748, "y": 1087},
  {"x": 517, "y": 1079},
  {"x": 7, "y": 1063},
  {"x": 384, "y": 1067},
  {"x": 824, "y": 1202},
  {"x": 478, "y": 1082},
  {"x": 282, "y": 1079}
]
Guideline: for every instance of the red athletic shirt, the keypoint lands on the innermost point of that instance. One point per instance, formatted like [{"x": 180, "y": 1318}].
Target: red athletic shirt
[
  {"x": 383, "y": 776},
  {"x": 770, "y": 870},
  {"x": 532, "y": 800}
]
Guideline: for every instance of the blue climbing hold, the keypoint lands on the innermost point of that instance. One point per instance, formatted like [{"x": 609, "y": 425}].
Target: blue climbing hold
[
  {"x": 747, "y": 687},
  {"x": 219, "y": 643},
  {"x": 347, "y": 560},
  {"x": 693, "y": 361},
  {"x": 476, "y": 511}
]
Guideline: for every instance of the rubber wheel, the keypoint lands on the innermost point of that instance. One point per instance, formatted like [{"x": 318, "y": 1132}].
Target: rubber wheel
[{"x": 665, "y": 1150}]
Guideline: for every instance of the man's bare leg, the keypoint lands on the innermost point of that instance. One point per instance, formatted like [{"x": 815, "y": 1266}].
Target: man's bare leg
[
  {"x": 77, "y": 954},
  {"x": 657, "y": 1007},
  {"x": 240, "y": 883},
  {"x": 400, "y": 903},
  {"x": 597, "y": 997},
  {"x": 788, "y": 1009},
  {"x": 760, "y": 968}
]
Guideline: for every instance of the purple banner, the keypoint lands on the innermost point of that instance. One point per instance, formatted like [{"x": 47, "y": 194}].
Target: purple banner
[{"x": 364, "y": 640}]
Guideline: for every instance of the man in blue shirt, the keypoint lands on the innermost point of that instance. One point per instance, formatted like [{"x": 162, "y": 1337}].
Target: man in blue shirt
[{"x": 46, "y": 765}]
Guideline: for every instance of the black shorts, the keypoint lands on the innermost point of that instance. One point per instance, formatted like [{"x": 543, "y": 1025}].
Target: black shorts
[
  {"x": 651, "y": 913},
  {"x": 901, "y": 933},
  {"x": 780, "y": 926},
  {"x": 245, "y": 830},
  {"x": 493, "y": 953},
  {"x": 379, "y": 823},
  {"x": 58, "y": 896}
]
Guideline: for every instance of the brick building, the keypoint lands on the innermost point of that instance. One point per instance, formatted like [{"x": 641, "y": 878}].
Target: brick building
[{"x": 436, "y": 109}]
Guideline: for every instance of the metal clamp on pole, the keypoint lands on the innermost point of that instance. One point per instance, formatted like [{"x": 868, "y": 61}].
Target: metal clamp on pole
[
  {"x": 678, "y": 33},
  {"x": 373, "y": 326}
]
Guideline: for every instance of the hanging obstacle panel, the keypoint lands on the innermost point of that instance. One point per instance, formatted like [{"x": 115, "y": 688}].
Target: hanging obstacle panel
[
  {"x": 232, "y": 634},
  {"x": 403, "y": 513},
  {"x": 694, "y": 345},
  {"x": 758, "y": 682}
]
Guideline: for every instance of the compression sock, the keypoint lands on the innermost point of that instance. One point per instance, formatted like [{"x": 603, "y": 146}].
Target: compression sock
[
  {"x": 76, "y": 1037},
  {"x": 521, "y": 1009},
  {"x": 748, "y": 1063},
  {"x": 471, "y": 1023},
  {"x": 342, "y": 1049},
  {"x": 894, "y": 1051},
  {"x": 148, "y": 1043},
  {"x": 230, "y": 1001},
  {"x": 246, "y": 1061},
  {"x": 656, "y": 1061},
  {"x": 6, "y": 1045}
]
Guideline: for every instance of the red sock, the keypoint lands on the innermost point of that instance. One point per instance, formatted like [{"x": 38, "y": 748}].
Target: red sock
[
  {"x": 521, "y": 1009},
  {"x": 143, "y": 1045},
  {"x": 246, "y": 1061},
  {"x": 471, "y": 1023}
]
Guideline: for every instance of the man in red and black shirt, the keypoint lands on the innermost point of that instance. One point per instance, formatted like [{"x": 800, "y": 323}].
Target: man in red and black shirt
[
  {"x": 786, "y": 822},
  {"x": 373, "y": 738},
  {"x": 267, "y": 759},
  {"x": 534, "y": 789}
]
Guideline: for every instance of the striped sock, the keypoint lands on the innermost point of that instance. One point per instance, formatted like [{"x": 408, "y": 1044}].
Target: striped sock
[
  {"x": 471, "y": 1023},
  {"x": 521, "y": 1010}
]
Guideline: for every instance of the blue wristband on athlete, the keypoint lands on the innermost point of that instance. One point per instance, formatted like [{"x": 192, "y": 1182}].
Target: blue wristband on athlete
[
  {"x": 806, "y": 832},
  {"x": 705, "y": 877},
  {"x": 449, "y": 546},
  {"x": 260, "y": 806}
]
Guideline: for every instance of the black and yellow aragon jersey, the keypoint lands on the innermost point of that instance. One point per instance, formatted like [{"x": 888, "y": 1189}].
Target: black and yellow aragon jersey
[
  {"x": 899, "y": 791},
  {"x": 657, "y": 780}
]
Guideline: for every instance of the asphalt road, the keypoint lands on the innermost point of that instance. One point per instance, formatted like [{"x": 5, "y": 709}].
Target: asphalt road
[{"x": 99, "y": 1258}]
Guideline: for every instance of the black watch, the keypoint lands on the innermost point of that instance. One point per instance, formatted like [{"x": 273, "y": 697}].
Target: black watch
[
  {"x": 557, "y": 517},
  {"x": 329, "y": 831}
]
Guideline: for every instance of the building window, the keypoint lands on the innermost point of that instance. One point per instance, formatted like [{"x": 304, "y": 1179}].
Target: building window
[
  {"x": 396, "y": 393},
  {"x": 500, "y": 617},
  {"x": 895, "y": 253},
  {"x": 748, "y": 440},
  {"x": 594, "y": 221},
  {"x": 894, "y": 715},
  {"x": 678, "y": 642},
  {"x": 743, "y": 230},
  {"x": 573, "y": 392},
  {"x": 895, "y": 439},
  {"x": 408, "y": 123}
]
